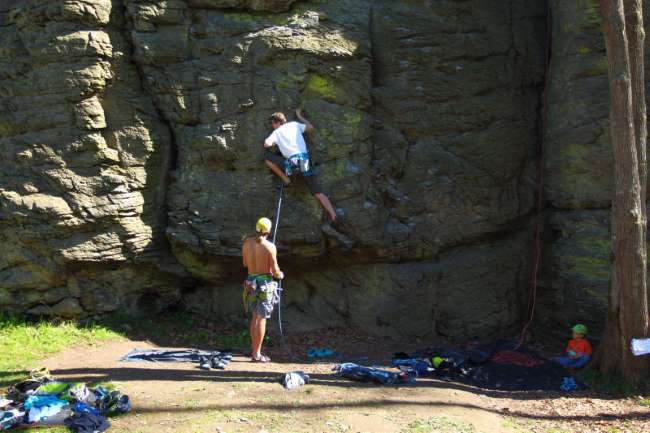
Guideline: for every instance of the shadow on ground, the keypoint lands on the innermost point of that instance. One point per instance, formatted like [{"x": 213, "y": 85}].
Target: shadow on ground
[
  {"x": 152, "y": 374},
  {"x": 181, "y": 329}
]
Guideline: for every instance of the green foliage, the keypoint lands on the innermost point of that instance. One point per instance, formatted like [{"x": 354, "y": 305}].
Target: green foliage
[{"x": 23, "y": 343}]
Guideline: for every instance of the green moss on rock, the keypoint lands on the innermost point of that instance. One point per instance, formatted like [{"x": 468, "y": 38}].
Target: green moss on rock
[
  {"x": 289, "y": 81},
  {"x": 588, "y": 268},
  {"x": 259, "y": 18},
  {"x": 592, "y": 12},
  {"x": 198, "y": 265},
  {"x": 320, "y": 86}
]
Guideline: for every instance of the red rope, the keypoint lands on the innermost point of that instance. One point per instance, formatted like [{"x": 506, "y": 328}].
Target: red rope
[{"x": 539, "y": 223}]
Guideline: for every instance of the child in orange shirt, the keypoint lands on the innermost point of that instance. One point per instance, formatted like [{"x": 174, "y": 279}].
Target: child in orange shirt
[{"x": 578, "y": 351}]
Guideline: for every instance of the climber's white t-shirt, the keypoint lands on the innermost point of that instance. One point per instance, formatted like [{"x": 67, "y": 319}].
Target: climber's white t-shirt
[{"x": 289, "y": 138}]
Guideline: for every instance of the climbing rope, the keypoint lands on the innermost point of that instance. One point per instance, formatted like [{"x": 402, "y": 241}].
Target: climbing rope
[
  {"x": 539, "y": 220},
  {"x": 277, "y": 213},
  {"x": 275, "y": 232}
]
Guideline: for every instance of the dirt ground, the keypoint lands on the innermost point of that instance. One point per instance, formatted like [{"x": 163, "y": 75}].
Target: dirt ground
[{"x": 246, "y": 397}]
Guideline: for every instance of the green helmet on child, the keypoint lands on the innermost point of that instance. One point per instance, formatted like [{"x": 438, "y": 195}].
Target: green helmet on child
[{"x": 580, "y": 329}]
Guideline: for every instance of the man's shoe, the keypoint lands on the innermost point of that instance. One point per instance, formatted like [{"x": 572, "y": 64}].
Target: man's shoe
[{"x": 204, "y": 363}]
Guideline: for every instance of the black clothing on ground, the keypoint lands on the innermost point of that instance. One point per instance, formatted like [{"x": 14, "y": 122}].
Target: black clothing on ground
[
  {"x": 496, "y": 367},
  {"x": 166, "y": 355},
  {"x": 87, "y": 422}
]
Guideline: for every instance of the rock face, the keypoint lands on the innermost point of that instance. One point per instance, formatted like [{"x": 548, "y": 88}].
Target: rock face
[
  {"x": 85, "y": 159},
  {"x": 131, "y": 133},
  {"x": 578, "y": 169}
]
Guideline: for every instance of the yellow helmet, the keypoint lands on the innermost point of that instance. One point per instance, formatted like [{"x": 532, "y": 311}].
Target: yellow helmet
[{"x": 263, "y": 225}]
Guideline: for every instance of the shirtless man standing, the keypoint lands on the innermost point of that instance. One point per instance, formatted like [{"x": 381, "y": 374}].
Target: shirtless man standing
[{"x": 259, "y": 288}]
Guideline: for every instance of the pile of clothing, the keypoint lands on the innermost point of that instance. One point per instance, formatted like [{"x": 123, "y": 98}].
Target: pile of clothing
[
  {"x": 438, "y": 363},
  {"x": 43, "y": 401},
  {"x": 498, "y": 366},
  {"x": 294, "y": 379},
  {"x": 217, "y": 359},
  {"x": 360, "y": 373}
]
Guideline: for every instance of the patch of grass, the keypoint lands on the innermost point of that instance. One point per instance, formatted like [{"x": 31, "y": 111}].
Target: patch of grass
[
  {"x": 214, "y": 415},
  {"x": 54, "y": 430},
  {"x": 23, "y": 343},
  {"x": 191, "y": 404},
  {"x": 243, "y": 385},
  {"x": 438, "y": 425},
  {"x": 514, "y": 425},
  {"x": 645, "y": 401}
]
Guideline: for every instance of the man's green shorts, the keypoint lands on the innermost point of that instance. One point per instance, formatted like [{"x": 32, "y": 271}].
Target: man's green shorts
[{"x": 265, "y": 295}]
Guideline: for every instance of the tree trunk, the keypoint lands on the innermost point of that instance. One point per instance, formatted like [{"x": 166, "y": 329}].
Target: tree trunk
[
  {"x": 628, "y": 314},
  {"x": 635, "y": 34}
]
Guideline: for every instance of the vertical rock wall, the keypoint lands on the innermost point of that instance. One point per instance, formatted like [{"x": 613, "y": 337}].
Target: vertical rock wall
[
  {"x": 425, "y": 115},
  {"x": 84, "y": 162},
  {"x": 578, "y": 171},
  {"x": 131, "y": 133}
]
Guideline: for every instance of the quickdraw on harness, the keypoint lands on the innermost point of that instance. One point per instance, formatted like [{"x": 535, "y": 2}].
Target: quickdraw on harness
[
  {"x": 297, "y": 162},
  {"x": 252, "y": 292}
]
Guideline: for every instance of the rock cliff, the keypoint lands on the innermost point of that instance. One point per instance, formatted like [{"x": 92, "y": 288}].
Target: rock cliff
[
  {"x": 131, "y": 135},
  {"x": 578, "y": 169}
]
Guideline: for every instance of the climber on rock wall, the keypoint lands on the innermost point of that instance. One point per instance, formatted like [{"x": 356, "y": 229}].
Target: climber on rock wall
[{"x": 295, "y": 158}]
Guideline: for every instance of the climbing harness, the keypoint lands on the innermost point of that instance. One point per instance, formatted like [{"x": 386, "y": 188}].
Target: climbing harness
[
  {"x": 255, "y": 290},
  {"x": 298, "y": 162}
]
